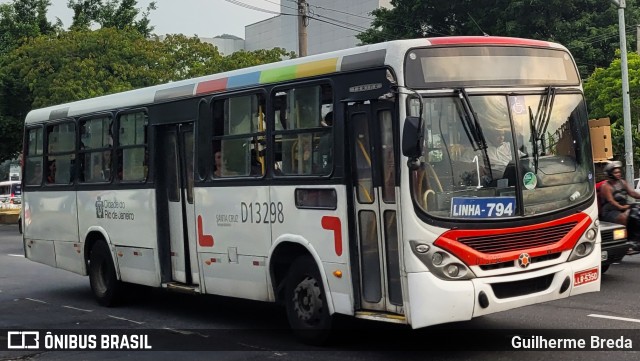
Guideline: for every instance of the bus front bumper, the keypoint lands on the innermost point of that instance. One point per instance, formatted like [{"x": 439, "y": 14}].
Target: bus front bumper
[{"x": 434, "y": 301}]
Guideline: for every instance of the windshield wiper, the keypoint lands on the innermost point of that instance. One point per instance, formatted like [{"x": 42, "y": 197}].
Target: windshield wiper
[
  {"x": 472, "y": 127},
  {"x": 545, "y": 115},
  {"x": 470, "y": 122},
  {"x": 534, "y": 138},
  {"x": 540, "y": 122}
]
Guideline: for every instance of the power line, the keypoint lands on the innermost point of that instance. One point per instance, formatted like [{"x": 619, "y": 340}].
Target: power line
[
  {"x": 334, "y": 24},
  {"x": 372, "y": 19},
  {"x": 247, "y": 6},
  {"x": 281, "y": 4}
]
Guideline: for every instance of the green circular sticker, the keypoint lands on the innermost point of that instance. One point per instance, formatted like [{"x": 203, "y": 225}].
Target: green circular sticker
[{"x": 530, "y": 180}]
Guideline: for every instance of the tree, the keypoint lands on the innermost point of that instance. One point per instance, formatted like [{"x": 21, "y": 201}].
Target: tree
[
  {"x": 119, "y": 14},
  {"x": 243, "y": 59},
  {"x": 76, "y": 65},
  {"x": 10, "y": 137},
  {"x": 21, "y": 20},
  {"x": 588, "y": 28},
  {"x": 603, "y": 91}
]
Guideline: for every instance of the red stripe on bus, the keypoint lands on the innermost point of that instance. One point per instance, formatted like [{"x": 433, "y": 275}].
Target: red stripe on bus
[
  {"x": 211, "y": 86},
  {"x": 333, "y": 224},
  {"x": 449, "y": 241},
  {"x": 462, "y": 40},
  {"x": 205, "y": 240}
]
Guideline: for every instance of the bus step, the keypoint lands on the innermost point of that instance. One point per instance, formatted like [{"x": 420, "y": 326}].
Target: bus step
[
  {"x": 182, "y": 288},
  {"x": 379, "y": 316}
]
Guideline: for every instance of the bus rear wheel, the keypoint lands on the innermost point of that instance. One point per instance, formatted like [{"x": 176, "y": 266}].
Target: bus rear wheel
[
  {"x": 306, "y": 302},
  {"x": 102, "y": 276}
]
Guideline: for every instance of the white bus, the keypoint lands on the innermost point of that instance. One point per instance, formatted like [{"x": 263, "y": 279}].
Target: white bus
[{"x": 456, "y": 181}]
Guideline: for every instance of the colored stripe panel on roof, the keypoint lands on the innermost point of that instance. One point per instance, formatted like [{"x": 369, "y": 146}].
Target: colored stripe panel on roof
[
  {"x": 238, "y": 81},
  {"x": 462, "y": 40},
  {"x": 179, "y": 91},
  {"x": 59, "y": 113},
  {"x": 211, "y": 86},
  {"x": 278, "y": 74},
  {"x": 365, "y": 60},
  {"x": 317, "y": 68}
]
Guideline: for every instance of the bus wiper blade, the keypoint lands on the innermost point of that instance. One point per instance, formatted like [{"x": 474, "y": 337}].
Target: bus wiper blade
[
  {"x": 472, "y": 127},
  {"x": 534, "y": 138},
  {"x": 470, "y": 122},
  {"x": 545, "y": 117},
  {"x": 540, "y": 122}
]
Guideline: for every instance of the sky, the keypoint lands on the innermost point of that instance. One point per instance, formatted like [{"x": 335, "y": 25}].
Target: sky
[{"x": 205, "y": 18}]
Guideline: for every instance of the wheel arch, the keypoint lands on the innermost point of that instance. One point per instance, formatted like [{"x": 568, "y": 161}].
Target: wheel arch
[
  {"x": 283, "y": 252},
  {"x": 94, "y": 235}
]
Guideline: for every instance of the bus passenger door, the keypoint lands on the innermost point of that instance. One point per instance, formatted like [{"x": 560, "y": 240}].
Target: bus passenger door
[
  {"x": 176, "y": 177},
  {"x": 373, "y": 168}
]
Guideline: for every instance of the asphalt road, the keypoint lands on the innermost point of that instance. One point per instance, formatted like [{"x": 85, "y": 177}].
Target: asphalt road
[{"x": 36, "y": 296}]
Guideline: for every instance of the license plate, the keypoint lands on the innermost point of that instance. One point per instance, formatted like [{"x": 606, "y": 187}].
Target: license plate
[
  {"x": 583, "y": 277},
  {"x": 483, "y": 207},
  {"x": 605, "y": 255}
]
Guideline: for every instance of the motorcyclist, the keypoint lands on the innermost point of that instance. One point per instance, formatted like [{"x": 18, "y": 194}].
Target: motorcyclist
[{"x": 614, "y": 193}]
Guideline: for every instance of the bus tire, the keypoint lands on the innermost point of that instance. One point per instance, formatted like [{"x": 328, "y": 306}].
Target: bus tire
[
  {"x": 306, "y": 302},
  {"x": 102, "y": 276}
]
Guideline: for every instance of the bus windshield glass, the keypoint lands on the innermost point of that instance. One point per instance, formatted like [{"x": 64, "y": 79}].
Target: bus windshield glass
[
  {"x": 521, "y": 155},
  {"x": 475, "y": 66}
]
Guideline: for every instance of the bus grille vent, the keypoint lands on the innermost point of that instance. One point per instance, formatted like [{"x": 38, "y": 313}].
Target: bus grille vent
[
  {"x": 521, "y": 288},
  {"x": 518, "y": 241}
]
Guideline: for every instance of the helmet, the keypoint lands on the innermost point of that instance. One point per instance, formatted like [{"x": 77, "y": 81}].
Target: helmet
[{"x": 608, "y": 169}]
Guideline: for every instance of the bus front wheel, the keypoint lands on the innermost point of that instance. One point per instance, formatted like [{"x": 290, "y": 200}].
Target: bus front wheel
[
  {"x": 306, "y": 302},
  {"x": 102, "y": 275}
]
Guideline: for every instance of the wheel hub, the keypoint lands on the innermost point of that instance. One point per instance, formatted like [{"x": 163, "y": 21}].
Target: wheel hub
[{"x": 306, "y": 299}]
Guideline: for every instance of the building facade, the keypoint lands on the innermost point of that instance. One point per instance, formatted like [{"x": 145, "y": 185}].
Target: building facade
[{"x": 332, "y": 25}]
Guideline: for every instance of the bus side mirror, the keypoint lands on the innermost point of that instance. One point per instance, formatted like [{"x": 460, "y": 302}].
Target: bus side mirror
[{"x": 411, "y": 137}]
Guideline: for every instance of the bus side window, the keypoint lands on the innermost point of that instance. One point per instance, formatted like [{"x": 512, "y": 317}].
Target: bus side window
[
  {"x": 34, "y": 157},
  {"x": 238, "y": 136},
  {"x": 60, "y": 157},
  {"x": 132, "y": 153},
  {"x": 95, "y": 149},
  {"x": 301, "y": 134}
]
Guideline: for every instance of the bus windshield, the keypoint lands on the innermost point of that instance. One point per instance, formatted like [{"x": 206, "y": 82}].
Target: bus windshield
[{"x": 497, "y": 156}]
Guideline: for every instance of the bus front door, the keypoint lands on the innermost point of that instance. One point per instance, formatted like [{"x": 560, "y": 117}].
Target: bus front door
[
  {"x": 373, "y": 157},
  {"x": 175, "y": 173}
]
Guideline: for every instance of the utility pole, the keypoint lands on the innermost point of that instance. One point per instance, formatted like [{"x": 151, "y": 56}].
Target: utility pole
[
  {"x": 638, "y": 39},
  {"x": 303, "y": 21},
  {"x": 626, "y": 104}
]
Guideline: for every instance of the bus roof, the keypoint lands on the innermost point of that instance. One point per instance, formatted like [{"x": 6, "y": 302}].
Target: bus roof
[{"x": 361, "y": 57}]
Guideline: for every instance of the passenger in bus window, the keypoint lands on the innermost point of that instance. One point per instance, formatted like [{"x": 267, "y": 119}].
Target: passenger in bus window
[
  {"x": 302, "y": 151},
  {"x": 217, "y": 169},
  {"x": 51, "y": 172},
  {"x": 324, "y": 151},
  {"x": 106, "y": 159},
  {"x": 256, "y": 164},
  {"x": 499, "y": 152}
]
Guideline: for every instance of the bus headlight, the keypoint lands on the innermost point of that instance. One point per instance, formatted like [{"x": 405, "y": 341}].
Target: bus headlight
[
  {"x": 582, "y": 250},
  {"x": 453, "y": 270},
  {"x": 437, "y": 258},
  {"x": 441, "y": 263}
]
